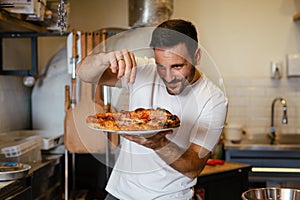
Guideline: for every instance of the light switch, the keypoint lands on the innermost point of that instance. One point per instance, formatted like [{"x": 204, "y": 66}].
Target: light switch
[{"x": 293, "y": 65}]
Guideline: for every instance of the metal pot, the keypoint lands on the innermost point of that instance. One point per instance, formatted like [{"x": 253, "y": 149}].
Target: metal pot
[{"x": 271, "y": 194}]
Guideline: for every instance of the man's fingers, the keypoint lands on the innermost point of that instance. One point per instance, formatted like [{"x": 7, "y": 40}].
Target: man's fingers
[
  {"x": 133, "y": 69},
  {"x": 123, "y": 64},
  {"x": 128, "y": 65},
  {"x": 132, "y": 75},
  {"x": 113, "y": 62},
  {"x": 130, "y": 137}
]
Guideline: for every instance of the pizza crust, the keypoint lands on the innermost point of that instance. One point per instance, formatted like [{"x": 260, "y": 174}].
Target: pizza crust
[{"x": 137, "y": 120}]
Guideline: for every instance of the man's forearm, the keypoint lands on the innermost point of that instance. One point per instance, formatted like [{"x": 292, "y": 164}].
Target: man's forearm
[
  {"x": 186, "y": 161},
  {"x": 91, "y": 68}
]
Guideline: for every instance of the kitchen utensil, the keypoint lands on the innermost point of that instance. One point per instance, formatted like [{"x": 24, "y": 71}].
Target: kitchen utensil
[
  {"x": 67, "y": 98},
  {"x": 13, "y": 170},
  {"x": 62, "y": 19},
  {"x": 271, "y": 194},
  {"x": 78, "y": 137},
  {"x": 73, "y": 98},
  {"x": 74, "y": 63},
  {"x": 97, "y": 38},
  {"x": 214, "y": 162},
  {"x": 233, "y": 133}
]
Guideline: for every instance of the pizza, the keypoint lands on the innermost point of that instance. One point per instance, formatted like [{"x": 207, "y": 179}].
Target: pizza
[{"x": 136, "y": 120}]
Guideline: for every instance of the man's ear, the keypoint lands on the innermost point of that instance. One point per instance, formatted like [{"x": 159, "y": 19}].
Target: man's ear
[{"x": 197, "y": 57}]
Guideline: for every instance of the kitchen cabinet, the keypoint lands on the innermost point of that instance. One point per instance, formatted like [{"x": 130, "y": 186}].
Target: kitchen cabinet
[
  {"x": 274, "y": 163},
  {"x": 46, "y": 179},
  {"x": 275, "y": 167},
  {"x": 226, "y": 181},
  {"x": 16, "y": 190},
  {"x": 15, "y": 28}
]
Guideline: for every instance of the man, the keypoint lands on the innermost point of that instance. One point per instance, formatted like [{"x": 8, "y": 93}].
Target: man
[{"x": 165, "y": 165}]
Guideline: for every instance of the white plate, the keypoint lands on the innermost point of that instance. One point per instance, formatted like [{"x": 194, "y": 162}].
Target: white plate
[{"x": 137, "y": 132}]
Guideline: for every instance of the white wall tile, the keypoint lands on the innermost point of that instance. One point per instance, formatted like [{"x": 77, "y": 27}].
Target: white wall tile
[{"x": 250, "y": 102}]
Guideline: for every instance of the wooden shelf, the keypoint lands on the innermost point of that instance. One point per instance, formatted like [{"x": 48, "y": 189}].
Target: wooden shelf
[
  {"x": 9, "y": 23},
  {"x": 296, "y": 16}
]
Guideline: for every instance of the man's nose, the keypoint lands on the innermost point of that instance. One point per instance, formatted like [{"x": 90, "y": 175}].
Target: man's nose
[{"x": 169, "y": 75}]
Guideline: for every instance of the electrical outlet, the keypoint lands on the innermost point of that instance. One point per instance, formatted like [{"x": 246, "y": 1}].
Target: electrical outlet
[{"x": 293, "y": 65}]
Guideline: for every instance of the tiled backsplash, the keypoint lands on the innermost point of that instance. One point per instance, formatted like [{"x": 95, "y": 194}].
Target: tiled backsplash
[
  {"x": 250, "y": 102},
  {"x": 14, "y": 104}
]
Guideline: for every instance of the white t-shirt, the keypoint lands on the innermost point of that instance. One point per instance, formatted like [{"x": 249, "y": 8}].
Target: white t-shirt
[{"x": 139, "y": 172}]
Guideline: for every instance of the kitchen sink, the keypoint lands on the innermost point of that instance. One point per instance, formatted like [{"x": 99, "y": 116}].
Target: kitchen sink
[{"x": 265, "y": 142}]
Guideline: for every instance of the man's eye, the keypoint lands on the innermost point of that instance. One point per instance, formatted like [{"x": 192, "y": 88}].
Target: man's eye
[{"x": 177, "y": 66}]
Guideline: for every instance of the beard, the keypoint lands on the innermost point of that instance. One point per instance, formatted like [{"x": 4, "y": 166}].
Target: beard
[{"x": 176, "y": 86}]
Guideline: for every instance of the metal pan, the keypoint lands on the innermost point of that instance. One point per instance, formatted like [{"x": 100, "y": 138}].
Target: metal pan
[{"x": 13, "y": 170}]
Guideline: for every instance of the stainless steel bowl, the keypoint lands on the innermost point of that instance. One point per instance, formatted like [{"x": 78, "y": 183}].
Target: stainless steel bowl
[
  {"x": 13, "y": 170},
  {"x": 271, "y": 194}
]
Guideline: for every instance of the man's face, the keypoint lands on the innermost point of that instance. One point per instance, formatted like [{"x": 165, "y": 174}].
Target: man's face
[{"x": 174, "y": 67}]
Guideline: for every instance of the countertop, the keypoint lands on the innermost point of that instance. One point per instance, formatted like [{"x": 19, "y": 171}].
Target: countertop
[
  {"x": 263, "y": 142},
  {"x": 220, "y": 168}
]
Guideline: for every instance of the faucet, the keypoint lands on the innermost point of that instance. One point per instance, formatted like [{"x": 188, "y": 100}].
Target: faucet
[{"x": 284, "y": 117}]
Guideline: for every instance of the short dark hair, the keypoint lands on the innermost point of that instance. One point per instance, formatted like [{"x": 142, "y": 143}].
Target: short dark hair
[{"x": 173, "y": 32}]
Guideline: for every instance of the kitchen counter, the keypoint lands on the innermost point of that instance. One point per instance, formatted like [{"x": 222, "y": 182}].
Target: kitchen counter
[
  {"x": 223, "y": 168},
  {"x": 16, "y": 189},
  {"x": 263, "y": 142},
  {"x": 223, "y": 181}
]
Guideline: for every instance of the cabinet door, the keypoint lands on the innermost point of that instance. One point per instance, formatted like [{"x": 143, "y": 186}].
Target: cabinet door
[
  {"x": 226, "y": 185},
  {"x": 25, "y": 193}
]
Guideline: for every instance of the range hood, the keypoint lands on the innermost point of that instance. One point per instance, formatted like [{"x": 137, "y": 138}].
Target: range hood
[{"x": 144, "y": 13}]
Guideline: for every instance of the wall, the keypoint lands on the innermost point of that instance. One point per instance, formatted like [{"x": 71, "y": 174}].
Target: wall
[
  {"x": 250, "y": 103},
  {"x": 95, "y": 14},
  {"x": 15, "y": 98},
  {"x": 242, "y": 37},
  {"x": 14, "y": 104}
]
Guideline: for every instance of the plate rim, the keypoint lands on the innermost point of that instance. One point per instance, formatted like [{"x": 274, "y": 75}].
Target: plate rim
[{"x": 132, "y": 132}]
